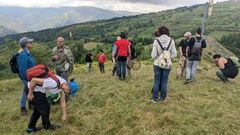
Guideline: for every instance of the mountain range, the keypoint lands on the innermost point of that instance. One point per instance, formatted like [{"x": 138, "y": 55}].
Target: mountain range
[{"x": 20, "y": 19}]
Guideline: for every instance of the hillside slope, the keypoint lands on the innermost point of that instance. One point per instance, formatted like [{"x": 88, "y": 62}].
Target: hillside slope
[{"x": 105, "y": 105}]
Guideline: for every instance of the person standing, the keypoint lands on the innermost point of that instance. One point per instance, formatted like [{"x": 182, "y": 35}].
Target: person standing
[
  {"x": 25, "y": 61},
  {"x": 114, "y": 69},
  {"x": 182, "y": 50},
  {"x": 227, "y": 68},
  {"x": 194, "y": 54},
  {"x": 123, "y": 49},
  {"x": 63, "y": 59},
  {"x": 161, "y": 44},
  {"x": 101, "y": 60},
  {"x": 130, "y": 58},
  {"x": 89, "y": 60}
]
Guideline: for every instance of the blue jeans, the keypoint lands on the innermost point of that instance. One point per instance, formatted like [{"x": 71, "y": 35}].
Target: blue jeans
[
  {"x": 160, "y": 82},
  {"x": 23, "y": 99},
  {"x": 122, "y": 68},
  {"x": 191, "y": 69}
]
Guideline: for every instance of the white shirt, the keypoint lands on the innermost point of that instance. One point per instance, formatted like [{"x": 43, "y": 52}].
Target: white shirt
[{"x": 49, "y": 85}]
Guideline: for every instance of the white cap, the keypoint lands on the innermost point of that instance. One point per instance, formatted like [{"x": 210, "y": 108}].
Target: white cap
[{"x": 187, "y": 34}]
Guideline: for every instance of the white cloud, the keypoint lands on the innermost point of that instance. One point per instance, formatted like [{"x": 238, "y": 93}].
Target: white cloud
[{"x": 142, "y": 6}]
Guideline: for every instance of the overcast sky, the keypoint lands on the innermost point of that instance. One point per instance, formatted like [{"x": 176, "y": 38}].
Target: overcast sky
[{"x": 142, "y": 6}]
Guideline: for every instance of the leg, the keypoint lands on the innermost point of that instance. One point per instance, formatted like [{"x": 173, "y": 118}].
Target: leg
[
  {"x": 103, "y": 68},
  {"x": 194, "y": 69},
  {"x": 33, "y": 120},
  {"x": 88, "y": 69},
  {"x": 124, "y": 66},
  {"x": 164, "y": 83},
  {"x": 157, "y": 75},
  {"x": 221, "y": 76},
  {"x": 119, "y": 68},
  {"x": 23, "y": 99},
  {"x": 180, "y": 71},
  {"x": 64, "y": 75},
  {"x": 100, "y": 68},
  {"x": 189, "y": 69},
  {"x": 63, "y": 107}
]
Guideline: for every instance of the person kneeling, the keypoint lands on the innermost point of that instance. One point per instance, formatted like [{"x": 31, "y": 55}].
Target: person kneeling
[
  {"x": 38, "y": 88},
  {"x": 227, "y": 68}
]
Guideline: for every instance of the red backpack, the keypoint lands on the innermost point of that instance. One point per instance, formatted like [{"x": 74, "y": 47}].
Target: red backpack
[{"x": 41, "y": 71}]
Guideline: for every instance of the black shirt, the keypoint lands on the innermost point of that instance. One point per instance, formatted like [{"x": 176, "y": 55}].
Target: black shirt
[
  {"x": 89, "y": 57},
  {"x": 183, "y": 44},
  {"x": 193, "y": 40}
]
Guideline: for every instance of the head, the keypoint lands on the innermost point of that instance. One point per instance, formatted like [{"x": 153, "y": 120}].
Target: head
[
  {"x": 65, "y": 87},
  {"x": 101, "y": 51},
  {"x": 163, "y": 30},
  {"x": 156, "y": 33},
  {"x": 216, "y": 57},
  {"x": 25, "y": 42},
  {"x": 60, "y": 42},
  {"x": 118, "y": 38},
  {"x": 123, "y": 35},
  {"x": 199, "y": 31},
  {"x": 187, "y": 35}
]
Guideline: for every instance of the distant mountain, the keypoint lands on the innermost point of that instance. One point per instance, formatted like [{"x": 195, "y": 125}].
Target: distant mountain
[{"x": 19, "y": 19}]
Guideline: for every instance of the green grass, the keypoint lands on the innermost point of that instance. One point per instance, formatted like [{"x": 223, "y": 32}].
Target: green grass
[
  {"x": 91, "y": 45},
  {"x": 105, "y": 105}
]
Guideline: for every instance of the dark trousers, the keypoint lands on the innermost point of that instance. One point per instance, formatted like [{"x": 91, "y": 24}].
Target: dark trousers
[
  {"x": 63, "y": 74},
  {"x": 101, "y": 67},
  {"x": 122, "y": 65},
  {"x": 41, "y": 108}
]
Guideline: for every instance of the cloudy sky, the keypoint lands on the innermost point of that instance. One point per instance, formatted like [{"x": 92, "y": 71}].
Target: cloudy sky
[{"x": 142, "y": 6}]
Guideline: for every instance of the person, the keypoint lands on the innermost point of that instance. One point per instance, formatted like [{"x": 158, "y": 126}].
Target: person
[
  {"x": 114, "y": 69},
  {"x": 161, "y": 75},
  {"x": 63, "y": 59},
  {"x": 194, "y": 54},
  {"x": 89, "y": 60},
  {"x": 38, "y": 87},
  {"x": 227, "y": 68},
  {"x": 122, "y": 49},
  {"x": 130, "y": 58},
  {"x": 25, "y": 61},
  {"x": 182, "y": 50},
  {"x": 101, "y": 60},
  {"x": 73, "y": 87}
]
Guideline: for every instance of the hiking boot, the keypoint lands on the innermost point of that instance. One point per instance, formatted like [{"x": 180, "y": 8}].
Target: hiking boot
[
  {"x": 54, "y": 127},
  {"x": 23, "y": 111},
  {"x": 188, "y": 81}
]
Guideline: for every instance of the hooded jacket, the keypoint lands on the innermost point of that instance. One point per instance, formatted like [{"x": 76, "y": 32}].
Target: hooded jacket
[{"x": 156, "y": 50}]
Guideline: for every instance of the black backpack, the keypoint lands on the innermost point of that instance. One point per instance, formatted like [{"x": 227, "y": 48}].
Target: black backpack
[{"x": 14, "y": 64}]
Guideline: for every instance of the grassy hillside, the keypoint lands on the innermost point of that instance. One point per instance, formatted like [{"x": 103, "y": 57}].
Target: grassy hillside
[{"x": 107, "y": 106}]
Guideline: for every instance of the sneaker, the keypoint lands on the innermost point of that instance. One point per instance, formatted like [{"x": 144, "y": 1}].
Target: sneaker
[
  {"x": 54, "y": 127},
  {"x": 154, "y": 101},
  {"x": 23, "y": 111},
  {"x": 162, "y": 99}
]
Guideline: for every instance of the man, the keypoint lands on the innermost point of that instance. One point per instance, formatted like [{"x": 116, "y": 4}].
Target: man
[
  {"x": 182, "y": 49},
  {"x": 114, "y": 70},
  {"x": 38, "y": 88},
  {"x": 101, "y": 60},
  {"x": 25, "y": 61},
  {"x": 227, "y": 69},
  {"x": 194, "y": 54},
  {"x": 89, "y": 60},
  {"x": 130, "y": 58},
  {"x": 63, "y": 59},
  {"x": 123, "y": 49}
]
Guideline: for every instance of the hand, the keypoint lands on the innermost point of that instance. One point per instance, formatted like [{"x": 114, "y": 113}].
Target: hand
[
  {"x": 180, "y": 62},
  {"x": 56, "y": 57},
  {"x": 30, "y": 97}
]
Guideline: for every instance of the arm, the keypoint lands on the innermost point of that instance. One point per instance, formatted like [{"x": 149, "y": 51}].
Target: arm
[
  {"x": 173, "y": 50},
  {"x": 187, "y": 50},
  {"x": 33, "y": 83},
  {"x": 113, "y": 54},
  {"x": 129, "y": 51},
  {"x": 63, "y": 107},
  {"x": 154, "y": 53},
  {"x": 22, "y": 62},
  {"x": 221, "y": 64}
]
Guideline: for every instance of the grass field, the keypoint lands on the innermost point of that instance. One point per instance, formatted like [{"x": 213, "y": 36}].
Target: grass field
[{"x": 107, "y": 106}]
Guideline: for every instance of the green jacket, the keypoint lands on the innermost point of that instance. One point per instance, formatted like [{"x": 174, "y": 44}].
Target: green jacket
[{"x": 65, "y": 61}]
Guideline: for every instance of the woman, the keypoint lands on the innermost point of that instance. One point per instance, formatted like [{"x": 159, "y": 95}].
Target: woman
[{"x": 160, "y": 74}]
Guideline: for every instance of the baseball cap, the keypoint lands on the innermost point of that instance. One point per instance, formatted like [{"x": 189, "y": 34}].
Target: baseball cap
[
  {"x": 187, "y": 34},
  {"x": 24, "y": 40}
]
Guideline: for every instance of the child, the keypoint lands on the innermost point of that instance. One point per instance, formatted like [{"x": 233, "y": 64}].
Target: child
[{"x": 73, "y": 87}]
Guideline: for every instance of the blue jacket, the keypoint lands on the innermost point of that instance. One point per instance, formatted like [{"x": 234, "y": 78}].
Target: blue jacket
[{"x": 25, "y": 61}]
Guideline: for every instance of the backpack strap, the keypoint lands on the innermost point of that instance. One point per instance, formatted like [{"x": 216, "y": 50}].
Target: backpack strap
[
  {"x": 160, "y": 44},
  {"x": 169, "y": 45}
]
